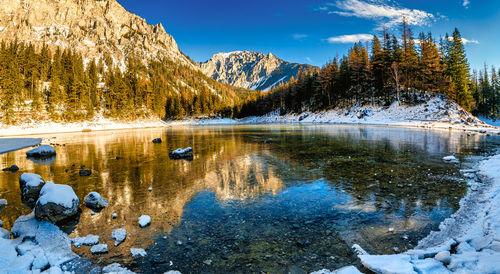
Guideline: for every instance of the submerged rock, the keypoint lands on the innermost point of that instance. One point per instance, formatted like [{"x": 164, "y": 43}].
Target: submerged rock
[
  {"x": 12, "y": 168},
  {"x": 56, "y": 203},
  {"x": 119, "y": 235},
  {"x": 41, "y": 151},
  {"x": 85, "y": 172},
  {"x": 30, "y": 185},
  {"x": 157, "y": 141},
  {"x": 94, "y": 200},
  {"x": 180, "y": 153},
  {"x": 144, "y": 220}
]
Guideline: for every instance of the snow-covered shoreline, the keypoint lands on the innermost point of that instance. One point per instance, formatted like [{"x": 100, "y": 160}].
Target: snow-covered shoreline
[{"x": 12, "y": 144}]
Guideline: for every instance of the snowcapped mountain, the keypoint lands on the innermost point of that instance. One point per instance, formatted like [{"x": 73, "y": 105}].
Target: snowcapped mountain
[
  {"x": 252, "y": 70},
  {"x": 94, "y": 27}
]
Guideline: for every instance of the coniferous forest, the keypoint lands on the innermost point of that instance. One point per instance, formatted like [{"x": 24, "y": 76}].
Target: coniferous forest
[
  {"x": 62, "y": 86},
  {"x": 387, "y": 69}
]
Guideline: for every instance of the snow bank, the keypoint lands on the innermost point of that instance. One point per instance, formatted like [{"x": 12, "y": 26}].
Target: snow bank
[
  {"x": 12, "y": 144},
  {"x": 437, "y": 112},
  {"x": 474, "y": 229},
  {"x": 98, "y": 123}
]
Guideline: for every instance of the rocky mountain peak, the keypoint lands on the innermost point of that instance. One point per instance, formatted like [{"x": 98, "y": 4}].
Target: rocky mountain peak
[{"x": 91, "y": 26}]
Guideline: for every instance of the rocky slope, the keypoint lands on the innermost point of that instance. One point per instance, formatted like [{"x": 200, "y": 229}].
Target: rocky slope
[
  {"x": 92, "y": 26},
  {"x": 251, "y": 70}
]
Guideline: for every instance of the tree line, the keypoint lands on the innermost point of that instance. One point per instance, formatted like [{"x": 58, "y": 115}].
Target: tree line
[
  {"x": 61, "y": 85},
  {"x": 381, "y": 72}
]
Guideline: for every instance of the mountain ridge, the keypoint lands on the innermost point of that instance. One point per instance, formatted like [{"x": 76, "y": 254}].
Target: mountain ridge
[{"x": 250, "y": 69}]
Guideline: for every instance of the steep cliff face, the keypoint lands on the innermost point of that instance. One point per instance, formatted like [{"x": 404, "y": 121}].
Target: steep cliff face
[
  {"x": 91, "y": 26},
  {"x": 251, "y": 70}
]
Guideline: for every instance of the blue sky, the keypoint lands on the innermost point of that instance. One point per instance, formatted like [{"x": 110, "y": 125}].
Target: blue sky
[{"x": 316, "y": 30}]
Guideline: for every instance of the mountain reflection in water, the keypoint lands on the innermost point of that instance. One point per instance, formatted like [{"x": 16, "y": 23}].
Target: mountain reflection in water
[{"x": 255, "y": 197}]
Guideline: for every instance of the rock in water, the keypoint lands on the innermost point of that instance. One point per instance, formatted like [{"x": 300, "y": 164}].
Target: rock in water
[
  {"x": 3, "y": 204},
  {"x": 89, "y": 240},
  {"x": 85, "y": 172},
  {"x": 144, "y": 220},
  {"x": 94, "y": 200},
  {"x": 41, "y": 151},
  {"x": 56, "y": 203},
  {"x": 12, "y": 168},
  {"x": 451, "y": 159},
  {"x": 99, "y": 249},
  {"x": 157, "y": 141},
  {"x": 30, "y": 185},
  {"x": 180, "y": 153},
  {"x": 119, "y": 235}
]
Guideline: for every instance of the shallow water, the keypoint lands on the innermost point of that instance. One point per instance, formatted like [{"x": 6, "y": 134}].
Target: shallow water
[{"x": 256, "y": 198}]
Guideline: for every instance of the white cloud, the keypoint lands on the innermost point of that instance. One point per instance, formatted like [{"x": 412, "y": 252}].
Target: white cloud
[
  {"x": 309, "y": 60},
  {"x": 466, "y": 41},
  {"x": 298, "y": 36},
  {"x": 351, "y": 38},
  {"x": 466, "y": 3},
  {"x": 380, "y": 11}
]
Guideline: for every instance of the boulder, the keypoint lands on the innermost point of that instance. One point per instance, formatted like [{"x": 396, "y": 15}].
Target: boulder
[
  {"x": 119, "y": 235},
  {"x": 85, "y": 172},
  {"x": 12, "y": 168},
  {"x": 180, "y": 153},
  {"x": 94, "y": 200},
  {"x": 157, "y": 141},
  {"x": 30, "y": 185},
  {"x": 56, "y": 203},
  {"x": 41, "y": 151}
]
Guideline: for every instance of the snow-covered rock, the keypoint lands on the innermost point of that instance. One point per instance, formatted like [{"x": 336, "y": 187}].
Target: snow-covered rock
[
  {"x": 41, "y": 151},
  {"x": 429, "y": 266},
  {"x": 116, "y": 268},
  {"x": 144, "y": 220},
  {"x": 114, "y": 216},
  {"x": 99, "y": 249},
  {"x": 388, "y": 264},
  {"x": 181, "y": 153},
  {"x": 94, "y": 200},
  {"x": 344, "y": 270},
  {"x": 56, "y": 203},
  {"x": 119, "y": 235},
  {"x": 88, "y": 240},
  {"x": 3, "y": 204},
  {"x": 443, "y": 256},
  {"x": 451, "y": 159},
  {"x": 30, "y": 185},
  {"x": 4, "y": 233},
  {"x": 135, "y": 252}
]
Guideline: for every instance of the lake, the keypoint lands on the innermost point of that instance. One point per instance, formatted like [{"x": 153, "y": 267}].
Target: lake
[{"x": 274, "y": 198}]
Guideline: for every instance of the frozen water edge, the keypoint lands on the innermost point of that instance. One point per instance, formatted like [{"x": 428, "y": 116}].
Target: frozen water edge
[
  {"x": 474, "y": 231},
  {"x": 12, "y": 144}
]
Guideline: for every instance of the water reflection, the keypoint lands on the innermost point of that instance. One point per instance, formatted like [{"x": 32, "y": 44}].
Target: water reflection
[{"x": 256, "y": 197}]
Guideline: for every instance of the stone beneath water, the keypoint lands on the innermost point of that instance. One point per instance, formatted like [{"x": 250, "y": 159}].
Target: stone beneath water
[
  {"x": 85, "y": 172},
  {"x": 157, "y": 141},
  {"x": 41, "y": 151},
  {"x": 144, "y": 220},
  {"x": 56, "y": 203},
  {"x": 99, "y": 249},
  {"x": 12, "y": 168},
  {"x": 119, "y": 235},
  {"x": 94, "y": 200},
  {"x": 180, "y": 153},
  {"x": 88, "y": 240},
  {"x": 30, "y": 185}
]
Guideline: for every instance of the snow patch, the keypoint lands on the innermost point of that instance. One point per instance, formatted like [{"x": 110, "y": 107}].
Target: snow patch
[
  {"x": 119, "y": 235},
  {"x": 89, "y": 240},
  {"x": 144, "y": 220}
]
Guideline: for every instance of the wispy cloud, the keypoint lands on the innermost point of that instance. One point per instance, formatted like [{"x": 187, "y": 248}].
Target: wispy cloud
[
  {"x": 466, "y": 3},
  {"x": 349, "y": 39},
  {"x": 379, "y": 11},
  {"x": 309, "y": 60},
  {"x": 466, "y": 41},
  {"x": 299, "y": 36}
]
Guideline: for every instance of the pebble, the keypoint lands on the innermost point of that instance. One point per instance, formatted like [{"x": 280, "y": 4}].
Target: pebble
[
  {"x": 114, "y": 215},
  {"x": 150, "y": 189}
]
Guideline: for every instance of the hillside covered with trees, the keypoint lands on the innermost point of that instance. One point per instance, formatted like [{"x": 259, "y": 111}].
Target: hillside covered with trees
[
  {"x": 62, "y": 86},
  {"x": 387, "y": 69}
]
